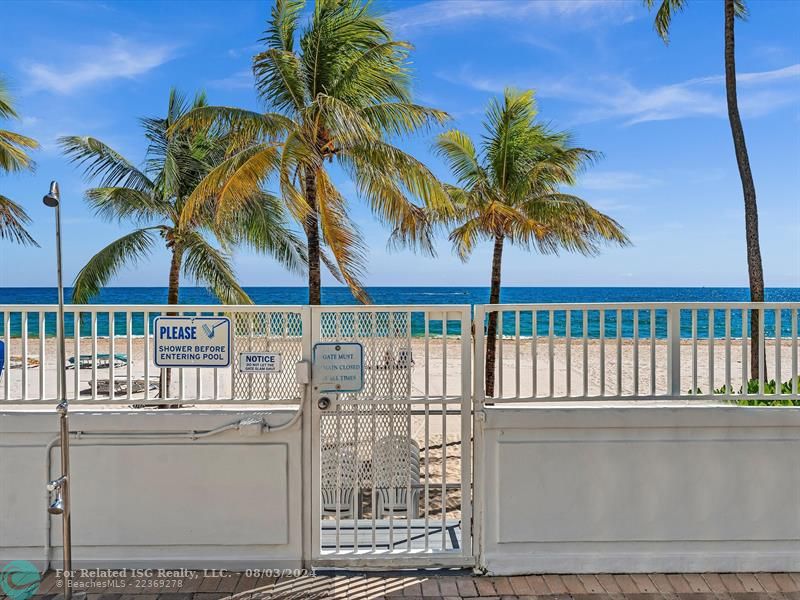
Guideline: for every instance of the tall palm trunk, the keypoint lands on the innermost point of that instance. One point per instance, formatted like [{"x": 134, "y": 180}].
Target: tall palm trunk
[
  {"x": 754, "y": 267},
  {"x": 311, "y": 227},
  {"x": 491, "y": 330},
  {"x": 172, "y": 298}
]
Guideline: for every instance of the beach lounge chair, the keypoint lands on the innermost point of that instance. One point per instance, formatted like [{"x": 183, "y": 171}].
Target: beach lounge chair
[
  {"x": 339, "y": 466},
  {"x": 138, "y": 385},
  {"x": 396, "y": 469},
  {"x": 103, "y": 361}
]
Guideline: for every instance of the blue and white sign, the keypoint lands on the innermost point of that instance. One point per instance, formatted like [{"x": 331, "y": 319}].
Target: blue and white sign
[
  {"x": 192, "y": 342},
  {"x": 338, "y": 367},
  {"x": 259, "y": 362}
]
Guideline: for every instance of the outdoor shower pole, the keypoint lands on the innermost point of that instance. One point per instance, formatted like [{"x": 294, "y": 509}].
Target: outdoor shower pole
[{"x": 53, "y": 200}]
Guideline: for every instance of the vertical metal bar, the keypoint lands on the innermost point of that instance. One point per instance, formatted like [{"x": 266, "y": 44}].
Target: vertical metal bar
[
  {"x": 619, "y": 352},
  {"x": 793, "y": 333},
  {"x": 76, "y": 332},
  {"x": 534, "y": 355},
  {"x": 7, "y": 341},
  {"x": 585, "y": 332},
  {"x": 24, "y": 334},
  {"x": 711, "y": 344},
  {"x": 374, "y": 499},
  {"x": 42, "y": 355},
  {"x": 444, "y": 432},
  {"x": 466, "y": 433},
  {"x": 499, "y": 365},
  {"x": 410, "y": 494},
  {"x": 694, "y": 351},
  {"x": 550, "y": 365},
  {"x": 761, "y": 350},
  {"x": 652, "y": 352},
  {"x": 129, "y": 365},
  {"x": 94, "y": 353},
  {"x": 635, "y": 352},
  {"x": 602, "y": 352},
  {"x": 778, "y": 324},
  {"x": 728, "y": 351},
  {"x": 745, "y": 357},
  {"x": 111, "y": 350},
  {"x": 674, "y": 351},
  {"x": 517, "y": 392},
  {"x": 146, "y": 325},
  {"x": 427, "y": 432},
  {"x": 568, "y": 349}
]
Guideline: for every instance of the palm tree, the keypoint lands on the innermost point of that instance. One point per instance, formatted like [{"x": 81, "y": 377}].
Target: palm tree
[
  {"x": 154, "y": 198},
  {"x": 13, "y": 158},
  {"x": 509, "y": 191},
  {"x": 733, "y": 9},
  {"x": 336, "y": 93}
]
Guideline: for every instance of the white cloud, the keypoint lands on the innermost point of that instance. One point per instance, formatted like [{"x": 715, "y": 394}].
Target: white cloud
[
  {"x": 616, "y": 180},
  {"x": 240, "y": 80},
  {"x": 615, "y": 97},
  {"x": 87, "y": 65},
  {"x": 438, "y": 12}
]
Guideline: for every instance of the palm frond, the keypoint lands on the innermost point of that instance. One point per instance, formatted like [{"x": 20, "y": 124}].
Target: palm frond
[
  {"x": 279, "y": 79},
  {"x": 13, "y": 222},
  {"x": 232, "y": 183},
  {"x": 121, "y": 203},
  {"x": 341, "y": 236},
  {"x": 212, "y": 267},
  {"x": 282, "y": 25},
  {"x": 664, "y": 13},
  {"x": 130, "y": 249},
  {"x": 13, "y": 155},
  {"x": 99, "y": 160},
  {"x": 458, "y": 150},
  {"x": 260, "y": 223},
  {"x": 400, "y": 118}
]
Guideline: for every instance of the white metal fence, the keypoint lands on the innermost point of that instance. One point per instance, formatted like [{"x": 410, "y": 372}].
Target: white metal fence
[
  {"x": 393, "y": 461},
  {"x": 639, "y": 351},
  {"x": 544, "y": 352},
  {"x": 109, "y": 356}
]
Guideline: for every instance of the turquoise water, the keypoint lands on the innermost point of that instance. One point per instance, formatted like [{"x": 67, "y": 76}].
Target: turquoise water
[{"x": 437, "y": 295}]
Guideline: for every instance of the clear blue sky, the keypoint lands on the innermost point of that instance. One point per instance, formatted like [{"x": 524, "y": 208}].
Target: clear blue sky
[{"x": 657, "y": 113}]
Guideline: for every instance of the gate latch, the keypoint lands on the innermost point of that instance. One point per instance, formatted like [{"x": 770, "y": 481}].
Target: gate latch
[{"x": 324, "y": 403}]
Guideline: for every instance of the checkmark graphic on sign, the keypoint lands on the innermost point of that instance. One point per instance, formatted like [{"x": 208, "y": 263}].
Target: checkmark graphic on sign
[{"x": 209, "y": 330}]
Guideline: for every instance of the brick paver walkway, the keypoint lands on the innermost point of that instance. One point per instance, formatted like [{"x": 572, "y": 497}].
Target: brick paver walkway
[{"x": 197, "y": 585}]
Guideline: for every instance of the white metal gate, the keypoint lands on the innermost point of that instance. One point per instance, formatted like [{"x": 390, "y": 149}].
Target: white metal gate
[{"x": 391, "y": 464}]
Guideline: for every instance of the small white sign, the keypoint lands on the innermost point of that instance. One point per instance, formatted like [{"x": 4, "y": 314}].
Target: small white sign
[
  {"x": 259, "y": 362},
  {"x": 192, "y": 341},
  {"x": 338, "y": 367}
]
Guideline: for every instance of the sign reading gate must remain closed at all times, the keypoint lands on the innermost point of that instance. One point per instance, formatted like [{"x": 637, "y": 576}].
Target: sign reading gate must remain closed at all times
[
  {"x": 192, "y": 341},
  {"x": 338, "y": 367}
]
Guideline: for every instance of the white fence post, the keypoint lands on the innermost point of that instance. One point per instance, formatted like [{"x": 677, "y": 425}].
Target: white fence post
[{"x": 674, "y": 351}]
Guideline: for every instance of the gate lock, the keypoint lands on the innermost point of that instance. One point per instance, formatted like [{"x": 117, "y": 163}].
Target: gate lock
[{"x": 324, "y": 403}]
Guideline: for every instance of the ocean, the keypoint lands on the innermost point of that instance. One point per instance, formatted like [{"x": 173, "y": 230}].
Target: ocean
[{"x": 434, "y": 295}]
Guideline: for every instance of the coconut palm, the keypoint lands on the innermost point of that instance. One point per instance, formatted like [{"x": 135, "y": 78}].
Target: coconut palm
[
  {"x": 154, "y": 198},
  {"x": 336, "y": 93},
  {"x": 733, "y": 9},
  {"x": 14, "y": 157},
  {"x": 508, "y": 191}
]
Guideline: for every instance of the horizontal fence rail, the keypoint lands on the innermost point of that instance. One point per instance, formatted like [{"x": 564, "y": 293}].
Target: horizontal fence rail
[
  {"x": 640, "y": 351},
  {"x": 543, "y": 352},
  {"x": 109, "y": 356}
]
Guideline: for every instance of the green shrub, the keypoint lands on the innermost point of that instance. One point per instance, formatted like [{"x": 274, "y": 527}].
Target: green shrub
[{"x": 753, "y": 388}]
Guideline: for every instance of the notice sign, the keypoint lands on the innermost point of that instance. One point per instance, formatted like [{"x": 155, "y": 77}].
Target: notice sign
[
  {"x": 259, "y": 362},
  {"x": 192, "y": 341},
  {"x": 338, "y": 367}
]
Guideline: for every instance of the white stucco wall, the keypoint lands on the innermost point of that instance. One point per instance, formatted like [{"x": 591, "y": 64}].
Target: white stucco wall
[
  {"x": 641, "y": 489},
  {"x": 226, "y": 501}
]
